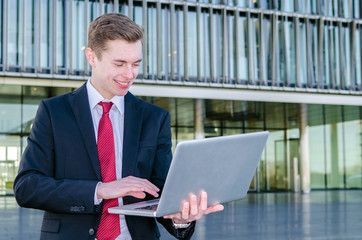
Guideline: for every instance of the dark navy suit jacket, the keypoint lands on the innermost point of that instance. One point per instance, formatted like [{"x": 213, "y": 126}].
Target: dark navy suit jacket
[{"x": 60, "y": 169}]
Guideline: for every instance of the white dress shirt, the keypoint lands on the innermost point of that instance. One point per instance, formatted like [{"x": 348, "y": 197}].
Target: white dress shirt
[{"x": 116, "y": 115}]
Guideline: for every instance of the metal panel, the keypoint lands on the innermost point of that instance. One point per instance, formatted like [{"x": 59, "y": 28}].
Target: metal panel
[
  {"x": 275, "y": 72},
  {"x": 310, "y": 75},
  {"x": 237, "y": 72},
  {"x": 130, "y": 8},
  {"x": 173, "y": 32},
  {"x": 250, "y": 53},
  {"x": 320, "y": 52},
  {"x": 353, "y": 55},
  {"x": 297, "y": 52},
  {"x": 69, "y": 53},
  {"x": 262, "y": 43},
  {"x": 116, "y": 5},
  {"x": 186, "y": 76},
  {"x": 38, "y": 41},
  {"x": 145, "y": 62},
  {"x": 86, "y": 9},
  {"x": 101, "y": 7},
  {"x": 225, "y": 47},
  {"x": 198, "y": 42},
  {"x": 54, "y": 36},
  {"x": 22, "y": 68},
  {"x": 342, "y": 83},
  {"x": 160, "y": 35},
  {"x": 5, "y": 36}
]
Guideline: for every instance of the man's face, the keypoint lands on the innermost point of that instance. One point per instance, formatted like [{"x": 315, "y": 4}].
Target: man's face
[{"x": 115, "y": 72}]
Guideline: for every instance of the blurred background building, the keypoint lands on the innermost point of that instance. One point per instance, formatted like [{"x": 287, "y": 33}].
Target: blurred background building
[{"x": 220, "y": 67}]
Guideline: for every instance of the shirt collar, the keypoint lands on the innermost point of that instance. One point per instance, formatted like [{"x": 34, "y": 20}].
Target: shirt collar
[{"x": 94, "y": 97}]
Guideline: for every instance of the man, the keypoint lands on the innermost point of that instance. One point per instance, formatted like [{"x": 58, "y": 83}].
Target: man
[{"x": 99, "y": 147}]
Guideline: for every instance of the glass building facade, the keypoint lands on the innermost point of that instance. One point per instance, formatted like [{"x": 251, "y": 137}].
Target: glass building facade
[{"x": 304, "y": 54}]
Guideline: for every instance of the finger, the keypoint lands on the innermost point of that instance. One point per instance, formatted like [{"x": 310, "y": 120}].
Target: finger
[
  {"x": 135, "y": 185},
  {"x": 185, "y": 210},
  {"x": 203, "y": 202},
  {"x": 137, "y": 194},
  {"x": 151, "y": 191},
  {"x": 214, "y": 208},
  {"x": 193, "y": 205},
  {"x": 173, "y": 216},
  {"x": 140, "y": 181},
  {"x": 150, "y": 185}
]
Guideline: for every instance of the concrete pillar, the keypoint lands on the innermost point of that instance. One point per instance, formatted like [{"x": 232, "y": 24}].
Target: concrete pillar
[
  {"x": 199, "y": 118},
  {"x": 304, "y": 149}
]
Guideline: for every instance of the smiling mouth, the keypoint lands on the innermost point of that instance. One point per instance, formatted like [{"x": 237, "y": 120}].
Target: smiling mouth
[{"x": 123, "y": 84}]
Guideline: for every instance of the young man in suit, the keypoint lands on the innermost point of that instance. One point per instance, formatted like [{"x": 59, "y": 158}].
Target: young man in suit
[{"x": 100, "y": 146}]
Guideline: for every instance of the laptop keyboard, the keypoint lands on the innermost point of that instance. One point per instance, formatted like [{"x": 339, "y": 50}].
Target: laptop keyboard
[{"x": 150, "y": 207}]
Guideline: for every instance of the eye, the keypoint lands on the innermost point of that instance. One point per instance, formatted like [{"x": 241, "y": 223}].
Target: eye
[{"x": 119, "y": 64}]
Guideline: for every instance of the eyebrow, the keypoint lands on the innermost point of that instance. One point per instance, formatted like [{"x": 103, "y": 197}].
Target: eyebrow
[{"x": 124, "y": 61}]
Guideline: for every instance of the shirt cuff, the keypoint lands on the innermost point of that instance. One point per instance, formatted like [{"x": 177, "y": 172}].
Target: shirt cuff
[{"x": 97, "y": 201}]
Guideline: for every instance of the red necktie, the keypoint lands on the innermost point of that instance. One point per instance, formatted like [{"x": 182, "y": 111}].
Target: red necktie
[{"x": 109, "y": 228}]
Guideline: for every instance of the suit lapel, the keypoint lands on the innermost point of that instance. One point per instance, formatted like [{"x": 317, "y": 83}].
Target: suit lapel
[
  {"x": 132, "y": 130},
  {"x": 80, "y": 105}
]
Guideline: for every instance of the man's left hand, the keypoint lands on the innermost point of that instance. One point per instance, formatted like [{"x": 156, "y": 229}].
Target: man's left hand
[{"x": 191, "y": 211}]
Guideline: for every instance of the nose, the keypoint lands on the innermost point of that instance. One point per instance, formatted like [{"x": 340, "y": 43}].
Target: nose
[{"x": 128, "y": 73}]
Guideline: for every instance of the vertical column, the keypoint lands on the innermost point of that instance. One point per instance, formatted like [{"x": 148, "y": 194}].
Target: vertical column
[
  {"x": 145, "y": 39},
  {"x": 275, "y": 66},
  {"x": 173, "y": 33},
  {"x": 199, "y": 118},
  {"x": 225, "y": 47},
  {"x": 236, "y": 42},
  {"x": 250, "y": 50},
  {"x": 297, "y": 52},
  {"x": 116, "y": 5},
  {"x": 212, "y": 50},
  {"x": 198, "y": 42},
  {"x": 130, "y": 8},
  {"x": 38, "y": 40},
  {"x": 320, "y": 52},
  {"x": 304, "y": 149},
  {"x": 54, "y": 36},
  {"x": 86, "y": 67},
  {"x": 159, "y": 41},
  {"x": 71, "y": 37},
  {"x": 186, "y": 71},
  {"x": 22, "y": 66},
  {"x": 261, "y": 58}
]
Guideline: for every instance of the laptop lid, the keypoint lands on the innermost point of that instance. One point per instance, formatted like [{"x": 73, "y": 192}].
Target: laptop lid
[{"x": 221, "y": 166}]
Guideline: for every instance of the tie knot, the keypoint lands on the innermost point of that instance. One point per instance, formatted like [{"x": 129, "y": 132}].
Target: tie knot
[{"x": 106, "y": 106}]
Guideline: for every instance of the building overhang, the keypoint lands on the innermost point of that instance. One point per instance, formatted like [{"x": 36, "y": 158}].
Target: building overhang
[{"x": 208, "y": 91}]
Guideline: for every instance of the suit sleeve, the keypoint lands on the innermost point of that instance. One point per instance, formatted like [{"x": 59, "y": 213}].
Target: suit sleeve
[
  {"x": 161, "y": 166},
  {"x": 36, "y": 185}
]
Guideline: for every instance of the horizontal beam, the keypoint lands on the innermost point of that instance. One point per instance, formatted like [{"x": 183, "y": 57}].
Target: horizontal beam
[
  {"x": 204, "y": 92},
  {"x": 245, "y": 95}
]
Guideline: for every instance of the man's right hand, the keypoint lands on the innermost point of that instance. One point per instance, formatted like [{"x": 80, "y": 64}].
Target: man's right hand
[{"x": 128, "y": 186}]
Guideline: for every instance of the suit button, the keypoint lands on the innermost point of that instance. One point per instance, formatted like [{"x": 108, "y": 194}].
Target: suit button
[{"x": 91, "y": 231}]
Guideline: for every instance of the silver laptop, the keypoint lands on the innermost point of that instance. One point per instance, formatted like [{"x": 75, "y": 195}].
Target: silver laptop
[{"x": 222, "y": 166}]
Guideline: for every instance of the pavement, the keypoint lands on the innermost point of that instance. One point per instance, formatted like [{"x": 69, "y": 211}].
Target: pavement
[{"x": 319, "y": 215}]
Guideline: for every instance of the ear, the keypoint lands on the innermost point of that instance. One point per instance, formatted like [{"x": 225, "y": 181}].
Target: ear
[{"x": 91, "y": 56}]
